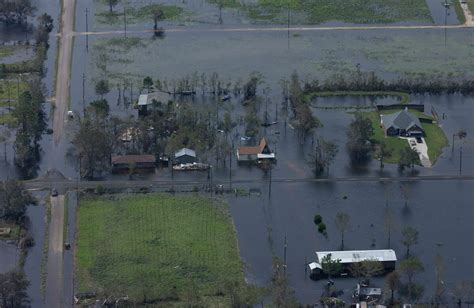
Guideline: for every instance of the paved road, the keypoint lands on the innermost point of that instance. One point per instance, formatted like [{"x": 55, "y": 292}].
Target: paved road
[
  {"x": 54, "y": 267},
  {"x": 63, "y": 76},
  {"x": 281, "y": 29},
  {"x": 70, "y": 184}
]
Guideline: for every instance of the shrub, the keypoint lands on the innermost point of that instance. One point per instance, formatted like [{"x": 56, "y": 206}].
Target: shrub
[
  {"x": 100, "y": 190},
  {"x": 317, "y": 219},
  {"x": 322, "y": 228}
]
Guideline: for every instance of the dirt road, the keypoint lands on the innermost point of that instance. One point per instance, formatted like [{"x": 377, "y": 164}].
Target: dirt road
[
  {"x": 63, "y": 76},
  {"x": 468, "y": 15},
  {"x": 54, "y": 265}
]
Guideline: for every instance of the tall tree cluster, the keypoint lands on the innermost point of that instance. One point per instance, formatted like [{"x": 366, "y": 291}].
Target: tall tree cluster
[
  {"x": 15, "y": 11},
  {"x": 359, "y": 139}
]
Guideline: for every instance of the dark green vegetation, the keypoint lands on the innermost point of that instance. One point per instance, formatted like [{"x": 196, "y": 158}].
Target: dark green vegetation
[
  {"x": 173, "y": 249},
  {"x": 434, "y": 136},
  {"x": 136, "y": 14},
  {"x": 15, "y": 12},
  {"x": 13, "y": 286},
  {"x": 315, "y": 12},
  {"x": 459, "y": 12}
]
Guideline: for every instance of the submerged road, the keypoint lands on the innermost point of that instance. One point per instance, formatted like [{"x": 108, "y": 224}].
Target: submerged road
[
  {"x": 54, "y": 267},
  {"x": 281, "y": 29},
  {"x": 63, "y": 76},
  {"x": 72, "y": 184}
]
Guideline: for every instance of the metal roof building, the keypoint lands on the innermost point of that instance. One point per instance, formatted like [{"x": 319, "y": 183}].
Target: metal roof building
[{"x": 354, "y": 256}]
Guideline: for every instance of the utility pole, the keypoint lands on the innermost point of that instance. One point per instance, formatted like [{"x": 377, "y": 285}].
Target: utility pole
[
  {"x": 288, "y": 25},
  {"x": 460, "y": 160},
  {"x": 18, "y": 86},
  {"x": 124, "y": 22},
  {"x": 452, "y": 149},
  {"x": 8, "y": 89},
  {"x": 284, "y": 256},
  {"x": 83, "y": 95},
  {"x": 87, "y": 30}
]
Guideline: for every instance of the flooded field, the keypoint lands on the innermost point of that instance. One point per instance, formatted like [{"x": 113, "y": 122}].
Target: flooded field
[{"x": 195, "y": 42}]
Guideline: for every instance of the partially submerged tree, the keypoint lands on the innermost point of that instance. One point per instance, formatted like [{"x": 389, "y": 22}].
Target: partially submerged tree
[
  {"x": 323, "y": 156},
  {"x": 409, "y": 238},
  {"x": 112, "y": 4},
  {"x": 331, "y": 267},
  {"x": 408, "y": 158},
  {"x": 342, "y": 222},
  {"x": 389, "y": 224},
  {"x": 13, "y": 200},
  {"x": 283, "y": 295},
  {"x": 410, "y": 267},
  {"x": 13, "y": 289},
  {"x": 359, "y": 135},
  {"x": 383, "y": 152},
  {"x": 392, "y": 281},
  {"x": 148, "y": 83},
  {"x": 102, "y": 88}
]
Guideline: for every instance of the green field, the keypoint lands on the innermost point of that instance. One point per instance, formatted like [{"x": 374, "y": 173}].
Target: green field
[
  {"x": 156, "y": 248},
  {"x": 9, "y": 89},
  {"x": 136, "y": 14},
  {"x": 434, "y": 136},
  {"x": 350, "y": 11}
]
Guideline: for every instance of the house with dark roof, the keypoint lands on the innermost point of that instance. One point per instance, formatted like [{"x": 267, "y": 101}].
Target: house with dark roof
[
  {"x": 124, "y": 162},
  {"x": 185, "y": 156},
  {"x": 260, "y": 152},
  {"x": 401, "y": 123}
]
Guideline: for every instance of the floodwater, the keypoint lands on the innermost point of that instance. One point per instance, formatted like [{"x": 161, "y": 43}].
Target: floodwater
[
  {"x": 440, "y": 210},
  {"x": 9, "y": 258}
]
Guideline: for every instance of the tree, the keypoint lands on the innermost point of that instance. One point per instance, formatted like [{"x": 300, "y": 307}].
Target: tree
[
  {"x": 342, "y": 222},
  {"x": 158, "y": 15},
  {"x": 409, "y": 238},
  {"x": 359, "y": 135},
  {"x": 331, "y": 267},
  {"x": 227, "y": 124},
  {"x": 367, "y": 268},
  {"x": 16, "y": 12},
  {"x": 4, "y": 138},
  {"x": 102, "y": 88},
  {"x": 250, "y": 88},
  {"x": 389, "y": 224},
  {"x": 13, "y": 286},
  {"x": 46, "y": 22},
  {"x": 148, "y": 83},
  {"x": 410, "y": 267},
  {"x": 111, "y": 4},
  {"x": 392, "y": 281},
  {"x": 323, "y": 156},
  {"x": 408, "y": 158},
  {"x": 13, "y": 200},
  {"x": 99, "y": 108},
  {"x": 94, "y": 145},
  {"x": 383, "y": 152},
  {"x": 283, "y": 295}
]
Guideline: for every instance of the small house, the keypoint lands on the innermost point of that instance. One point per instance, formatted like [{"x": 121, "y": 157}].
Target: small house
[
  {"x": 402, "y": 123},
  {"x": 387, "y": 257},
  {"x": 139, "y": 162},
  {"x": 185, "y": 156},
  {"x": 255, "y": 153},
  {"x": 156, "y": 100}
]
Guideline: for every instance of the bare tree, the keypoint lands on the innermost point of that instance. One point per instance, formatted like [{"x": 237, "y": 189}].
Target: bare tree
[
  {"x": 392, "y": 282},
  {"x": 389, "y": 224},
  {"x": 409, "y": 238},
  {"x": 342, "y": 222}
]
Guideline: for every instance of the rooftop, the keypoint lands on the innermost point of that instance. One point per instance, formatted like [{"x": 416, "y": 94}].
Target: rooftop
[
  {"x": 354, "y": 256},
  {"x": 148, "y": 98},
  {"x": 130, "y": 159},
  {"x": 253, "y": 150},
  {"x": 185, "y": 151},
  {"x": 402, "y": 119}
]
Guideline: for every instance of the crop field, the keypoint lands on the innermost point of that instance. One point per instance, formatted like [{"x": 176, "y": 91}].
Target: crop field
[
  {"x": 156, "y": 248},
  {"x": 349, "y": 11}
]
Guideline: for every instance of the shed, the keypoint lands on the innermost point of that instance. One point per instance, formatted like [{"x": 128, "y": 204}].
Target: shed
[
  {"x": 157, "y": 99},
  {"x": 185, "y": 156},
  {"x": 123, "y": 162}
]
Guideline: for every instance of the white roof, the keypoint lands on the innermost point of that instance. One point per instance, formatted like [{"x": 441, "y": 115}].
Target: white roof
[
  {"x": 314, "y": 265},
  {"x": 147, "y": 98},
  {"x": 266, "y": 156},
  {"x": 185, "y": 151},
  {"x": 354, "y": 256}
]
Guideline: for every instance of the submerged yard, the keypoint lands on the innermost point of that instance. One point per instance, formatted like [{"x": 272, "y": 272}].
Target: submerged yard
[{"x": 156, "y": 247}]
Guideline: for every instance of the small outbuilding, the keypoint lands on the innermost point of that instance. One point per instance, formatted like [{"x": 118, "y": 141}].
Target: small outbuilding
[
  {"x": 402, "y": 123},
  {"x": 255, "y": 153},
  {"x": 156, "y": 100},
  {"x": 124, "y": 162},
  {"x": 185, "y": 156}
]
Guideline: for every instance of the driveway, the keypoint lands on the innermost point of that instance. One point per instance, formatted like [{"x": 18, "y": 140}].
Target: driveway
[{"x": 421, "y": 149}]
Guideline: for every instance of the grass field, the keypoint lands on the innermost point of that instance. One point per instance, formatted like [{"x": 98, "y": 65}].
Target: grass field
[
  {"x": 9, "y": 89},
  {"x": 136, "y": 13},
  {"x": 434, "y": 136},
  {"x": 350, "y": 11},
  {"x": 156, "y": 248},
  {"x": 7, "y": 50}
]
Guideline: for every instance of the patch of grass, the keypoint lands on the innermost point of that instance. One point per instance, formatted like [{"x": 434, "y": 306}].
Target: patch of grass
[
  {"x": 470, "y": 5},
  {"x": 9, "y": 88},
  {"x": 7, "y": 119},
  {"x": 138, "y": 14},
  {"x": 8, "y": 50},
  {"x": 156, "y": 247},
  {"x": 403, "y": 97},
  {"x": 459, "y": 12},
  {"x": 434, "y": 136},
  {"x": 44, "y": 258},
  {"x": 350, "y": 11}
]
